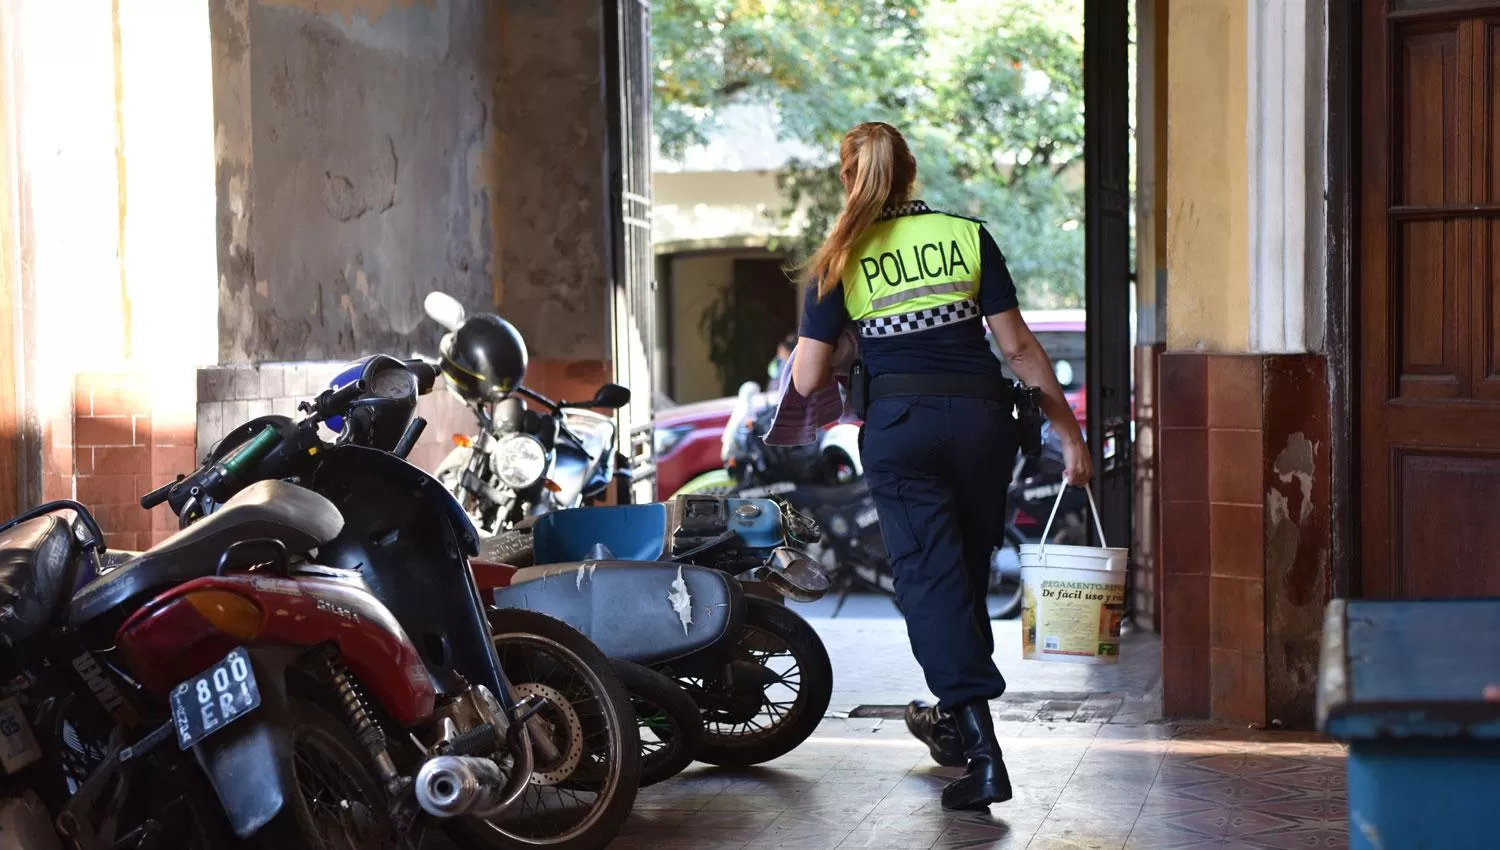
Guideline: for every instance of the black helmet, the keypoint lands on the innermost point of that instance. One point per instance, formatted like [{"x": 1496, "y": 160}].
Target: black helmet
[{"x": 485, "y": 358}]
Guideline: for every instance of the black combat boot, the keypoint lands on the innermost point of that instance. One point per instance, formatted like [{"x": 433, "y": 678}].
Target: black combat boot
[
  {"x": 936, "y": 728},
  {"x": 986, "y": 781}
]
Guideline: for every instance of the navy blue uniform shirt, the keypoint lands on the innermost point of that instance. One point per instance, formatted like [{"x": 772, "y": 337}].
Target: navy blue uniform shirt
[{"x": 958, "y": 348}]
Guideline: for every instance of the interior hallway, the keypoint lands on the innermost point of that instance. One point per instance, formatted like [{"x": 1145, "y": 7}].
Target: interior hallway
[
  {"x": 1092, "y": 764},
  {"x": 866, "y": 783}
]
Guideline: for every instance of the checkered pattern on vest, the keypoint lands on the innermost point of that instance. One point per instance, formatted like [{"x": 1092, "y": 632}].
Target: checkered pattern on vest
[
  {"x": 920, "y": 320},
  {"x": 899, "y": 210}
]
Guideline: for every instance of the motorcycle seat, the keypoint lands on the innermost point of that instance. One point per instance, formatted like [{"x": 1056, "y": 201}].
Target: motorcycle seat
[
  {"x": 35, "y": 557},
  {"x": 301, "y": 519}
]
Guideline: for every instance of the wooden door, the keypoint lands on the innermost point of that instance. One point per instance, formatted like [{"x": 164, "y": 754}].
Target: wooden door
[{"x": 1429, "y": 316}]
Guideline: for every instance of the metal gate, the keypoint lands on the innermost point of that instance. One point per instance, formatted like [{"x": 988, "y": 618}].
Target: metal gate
[
  {"x": 1107, "y": 219},
  {"x": 628, "y": 76}
]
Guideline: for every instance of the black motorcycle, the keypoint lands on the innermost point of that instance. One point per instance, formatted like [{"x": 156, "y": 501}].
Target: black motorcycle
[
  {"x": 522, "y": 463},
  {"x": 81, "y": 755},
  {"x": 530, "y": 739}
]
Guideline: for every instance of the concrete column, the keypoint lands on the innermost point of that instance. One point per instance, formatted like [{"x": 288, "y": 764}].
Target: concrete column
[
  {"x": 1207, "y": 207},
  {"x": 1285, "y": 110}
]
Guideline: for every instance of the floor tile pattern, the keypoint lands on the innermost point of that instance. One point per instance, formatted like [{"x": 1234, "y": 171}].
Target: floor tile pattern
[{"x": 863, "y": 783}]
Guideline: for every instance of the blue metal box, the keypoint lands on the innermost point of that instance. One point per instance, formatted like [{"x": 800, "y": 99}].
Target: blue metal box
[
  {"x": 1402, "y": 683},
  {"x": 659, "y": 530}
]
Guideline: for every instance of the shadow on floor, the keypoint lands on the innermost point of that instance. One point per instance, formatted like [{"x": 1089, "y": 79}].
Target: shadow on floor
[{"x": 865, "y": 783}]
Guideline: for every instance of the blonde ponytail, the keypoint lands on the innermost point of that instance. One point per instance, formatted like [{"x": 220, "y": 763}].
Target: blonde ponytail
[{"x": 877, "y": 170}]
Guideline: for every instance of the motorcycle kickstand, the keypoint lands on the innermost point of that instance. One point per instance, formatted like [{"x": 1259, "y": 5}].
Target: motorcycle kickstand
[{"x": 843, "y": 597}]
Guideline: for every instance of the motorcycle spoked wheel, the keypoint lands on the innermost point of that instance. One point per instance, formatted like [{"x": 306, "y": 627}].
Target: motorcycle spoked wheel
[
  {"x": 339, "y": 804},
  {"x": 769, "y": 691},
  {"x": 580, "y": 799},
  {"x": 670, "y": 726}
]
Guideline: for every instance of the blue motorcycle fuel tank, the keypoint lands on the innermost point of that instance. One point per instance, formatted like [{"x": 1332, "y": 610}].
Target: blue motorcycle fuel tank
[{"x": 757, "y": 522}]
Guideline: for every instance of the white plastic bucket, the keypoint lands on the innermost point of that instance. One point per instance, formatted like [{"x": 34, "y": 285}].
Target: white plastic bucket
[{"x": 1073, "y": 598}]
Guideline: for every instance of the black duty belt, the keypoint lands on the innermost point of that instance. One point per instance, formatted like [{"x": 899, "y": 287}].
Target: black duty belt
[{"x": 965, "y": 386}]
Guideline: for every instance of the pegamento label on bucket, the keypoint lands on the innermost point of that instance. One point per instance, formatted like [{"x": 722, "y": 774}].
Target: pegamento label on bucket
[{"x": 1073, "y": 601}]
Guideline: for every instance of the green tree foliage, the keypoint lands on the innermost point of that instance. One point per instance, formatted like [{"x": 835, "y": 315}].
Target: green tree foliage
[{"x": 988, "y": 92}]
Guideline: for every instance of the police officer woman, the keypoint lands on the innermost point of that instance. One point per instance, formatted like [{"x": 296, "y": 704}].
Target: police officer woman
[{"x": 939, "y": 435}]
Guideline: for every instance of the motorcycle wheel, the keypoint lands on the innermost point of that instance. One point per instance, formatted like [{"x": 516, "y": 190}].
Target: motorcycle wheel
[
  {"x": 581, "y": 799},
  {"x": 512, "y": 548},
  {"x": 1005, "y": 596},
  {"x": 668, "y": 721},
  {"x": 339, "y": 805},
  {"x": 762, "y": 722}
]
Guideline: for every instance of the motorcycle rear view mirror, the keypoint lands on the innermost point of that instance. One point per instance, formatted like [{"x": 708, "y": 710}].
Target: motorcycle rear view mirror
[
  {"x": 611, "y": 397},
  {"x": 444, "y": 309}
]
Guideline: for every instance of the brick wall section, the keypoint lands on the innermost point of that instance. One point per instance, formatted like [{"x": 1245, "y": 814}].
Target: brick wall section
[{"x": 1243, "y": 473}]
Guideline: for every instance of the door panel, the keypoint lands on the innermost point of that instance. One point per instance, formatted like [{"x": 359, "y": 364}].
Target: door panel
[
  {"x": 1464, "y": 533},
  {"x": 1429, "y": 419}
]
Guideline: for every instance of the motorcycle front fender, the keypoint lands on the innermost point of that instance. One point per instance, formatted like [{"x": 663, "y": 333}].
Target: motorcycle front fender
[
  {"x": 646, "y": 612},
  {"x": 250, "y": 763}
]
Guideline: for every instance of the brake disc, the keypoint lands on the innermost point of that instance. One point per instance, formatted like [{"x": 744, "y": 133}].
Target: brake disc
[{"x": 568, "y": 739}]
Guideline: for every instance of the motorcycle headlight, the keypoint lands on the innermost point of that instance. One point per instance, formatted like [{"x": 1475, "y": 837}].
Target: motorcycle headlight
[{"x": 520, "y": 461}]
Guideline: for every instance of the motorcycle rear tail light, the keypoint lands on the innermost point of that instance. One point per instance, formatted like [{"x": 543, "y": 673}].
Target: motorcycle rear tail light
[
  {"x": 462, "y": 441},
  {"x": 165, "y": 643},
  {"x": 230, "y": 613}
]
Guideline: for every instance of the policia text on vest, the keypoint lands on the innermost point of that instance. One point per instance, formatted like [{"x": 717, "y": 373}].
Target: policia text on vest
[
  {"x": 911, "y": 263},
  {"x": 930, "y": 260}
]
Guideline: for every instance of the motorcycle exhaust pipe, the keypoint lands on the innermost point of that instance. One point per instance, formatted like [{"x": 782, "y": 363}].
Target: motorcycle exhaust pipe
[{"x": 449, "y": 786}]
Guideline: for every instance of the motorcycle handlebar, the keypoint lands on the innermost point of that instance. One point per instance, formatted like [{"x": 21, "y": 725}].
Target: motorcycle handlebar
[{"x": 159, "y": 495}]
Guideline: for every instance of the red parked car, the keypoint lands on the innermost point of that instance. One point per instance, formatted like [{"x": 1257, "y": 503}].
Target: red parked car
[{"x": 689, "y": 436}]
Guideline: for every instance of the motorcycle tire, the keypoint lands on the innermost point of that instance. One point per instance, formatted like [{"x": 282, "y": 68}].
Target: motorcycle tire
[
  {"x": 328, "y": 756},
  {"x": 541, "y": 656},
  {"x": 767, "y": 624},
  {"x": 670, "y": 726},
  {"x": 512, "y": 548}
]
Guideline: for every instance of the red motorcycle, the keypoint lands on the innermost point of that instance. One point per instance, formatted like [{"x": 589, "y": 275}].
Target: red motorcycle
[{"x": 351, "y": 690}]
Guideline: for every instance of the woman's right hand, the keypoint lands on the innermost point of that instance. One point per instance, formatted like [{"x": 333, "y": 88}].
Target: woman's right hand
[{"x": 1078, "y": 464}]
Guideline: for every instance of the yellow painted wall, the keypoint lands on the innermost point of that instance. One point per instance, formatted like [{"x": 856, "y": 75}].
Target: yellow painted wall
[
  {"x": 696, "y": 283},
  {"x": 1208, "y": 263}
]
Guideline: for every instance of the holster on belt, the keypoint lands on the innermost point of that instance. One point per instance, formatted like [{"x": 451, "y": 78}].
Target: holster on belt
[
  {"x": 1029, "y": 418},
  {"x": 859, "y": 389}
]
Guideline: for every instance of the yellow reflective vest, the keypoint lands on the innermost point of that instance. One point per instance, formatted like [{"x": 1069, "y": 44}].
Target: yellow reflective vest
[{"x": 924, "y": 265}]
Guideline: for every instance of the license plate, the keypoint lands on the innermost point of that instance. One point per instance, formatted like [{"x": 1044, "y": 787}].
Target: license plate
[
  {"x": 18, "y": 746},
  {"x": 214, "y": 698},
  {"x": 867, "y": 518}
]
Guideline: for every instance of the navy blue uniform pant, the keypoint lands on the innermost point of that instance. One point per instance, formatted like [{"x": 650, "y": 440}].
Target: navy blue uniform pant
[{"x": 938, "y": 468}]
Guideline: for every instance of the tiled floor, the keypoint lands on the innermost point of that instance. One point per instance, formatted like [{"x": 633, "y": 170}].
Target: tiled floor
[{"x": 865, "y": 783}]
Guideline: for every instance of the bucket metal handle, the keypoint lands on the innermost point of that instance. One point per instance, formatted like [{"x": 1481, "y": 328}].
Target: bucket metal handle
[{"x": 1056, "y": 503}]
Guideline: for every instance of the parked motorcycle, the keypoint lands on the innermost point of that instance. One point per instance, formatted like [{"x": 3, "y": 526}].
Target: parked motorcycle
[
  {"x": 382, "y": 697},
  {"x": 83, "y": 747},
  {"x": 825, "y": 480},
  {"x": 522, "y": 462},
  {"x": 764, "y": 682}
]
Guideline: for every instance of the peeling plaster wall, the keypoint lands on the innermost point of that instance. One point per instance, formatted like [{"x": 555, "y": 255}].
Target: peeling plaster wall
[
  {"x": 369, "y": 152},
  {"x": 1298, "y": 543}
]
